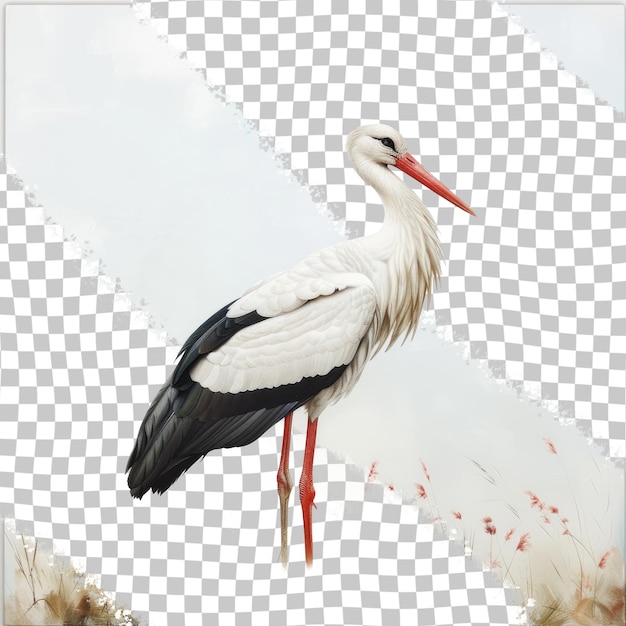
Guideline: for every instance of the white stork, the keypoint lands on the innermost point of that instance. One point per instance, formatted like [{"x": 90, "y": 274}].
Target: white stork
[{"x": 301, "y": 337}]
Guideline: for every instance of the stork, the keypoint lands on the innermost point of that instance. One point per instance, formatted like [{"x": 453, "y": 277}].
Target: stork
[{"x": 301, "y": 337}]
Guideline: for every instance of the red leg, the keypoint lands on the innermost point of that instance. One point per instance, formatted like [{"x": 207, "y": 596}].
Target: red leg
[
  {"x": 284, "y": 487},
  {"x": 307, "y": 492}
]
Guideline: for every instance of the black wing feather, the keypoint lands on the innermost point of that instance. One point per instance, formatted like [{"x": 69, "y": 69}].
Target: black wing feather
[
  {"x": 217, "y": 330},
  {"x": 186, "y": 421}
]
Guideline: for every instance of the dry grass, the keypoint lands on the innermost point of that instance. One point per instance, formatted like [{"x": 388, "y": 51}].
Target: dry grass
[
  {"x": 48, "y": 593},
  {"x": 599, "y": 607},
  {"x": 580, "y": 588}
]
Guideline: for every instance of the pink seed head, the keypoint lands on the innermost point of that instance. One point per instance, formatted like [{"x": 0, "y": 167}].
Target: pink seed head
[
  {"x": 535, "y": 501},
  {"x": 523, "y": 543},
  {"x": 550, "y": 445},
  {"x": 604, "y": 559},
  {"x": 373, "y": 472}
]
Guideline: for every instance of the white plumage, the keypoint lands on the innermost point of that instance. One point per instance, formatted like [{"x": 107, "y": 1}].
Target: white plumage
[
  {"x": 299, "y": 338},
  {"x": 323, "y": 332}
]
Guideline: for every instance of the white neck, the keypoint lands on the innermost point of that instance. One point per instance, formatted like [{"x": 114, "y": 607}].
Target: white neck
[{"x": 408, "y": 246}]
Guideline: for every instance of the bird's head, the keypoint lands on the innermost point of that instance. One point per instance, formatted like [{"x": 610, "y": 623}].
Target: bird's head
[{"x": 378, "y": 145}]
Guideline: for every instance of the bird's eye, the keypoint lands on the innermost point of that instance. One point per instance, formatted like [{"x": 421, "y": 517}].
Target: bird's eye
[{"x": 388, "y": 143}]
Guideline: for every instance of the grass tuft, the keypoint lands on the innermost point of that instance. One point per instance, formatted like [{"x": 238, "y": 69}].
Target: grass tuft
[{"x": 49, "y": 592}]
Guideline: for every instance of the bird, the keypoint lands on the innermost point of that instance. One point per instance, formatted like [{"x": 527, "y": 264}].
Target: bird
[{"x": 300, "y": 338}]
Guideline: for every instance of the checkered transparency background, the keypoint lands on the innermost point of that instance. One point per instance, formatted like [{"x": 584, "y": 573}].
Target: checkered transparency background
[
  {"x": 78, "y": 367},
  {"x": 534, "y": 284}
]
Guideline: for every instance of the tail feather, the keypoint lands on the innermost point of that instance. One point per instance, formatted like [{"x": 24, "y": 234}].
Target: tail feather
[
  {"x": 157, "y": 432},
  {"x": 167, "y": 478},
  {"x": 168, "y": 444},
  {"x": 161, "y": 405}
]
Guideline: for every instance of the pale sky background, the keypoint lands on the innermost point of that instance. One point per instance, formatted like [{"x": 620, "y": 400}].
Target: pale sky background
[
  {"x": 125, "y": 148},
  {"x": 586, "y": 37}
]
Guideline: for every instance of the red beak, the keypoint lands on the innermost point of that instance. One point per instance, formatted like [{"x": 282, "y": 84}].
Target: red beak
[{"x": 410, "y": 166}]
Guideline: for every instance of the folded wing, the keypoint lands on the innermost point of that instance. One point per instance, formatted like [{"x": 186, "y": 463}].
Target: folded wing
[{"x": 247, "y": 367}]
